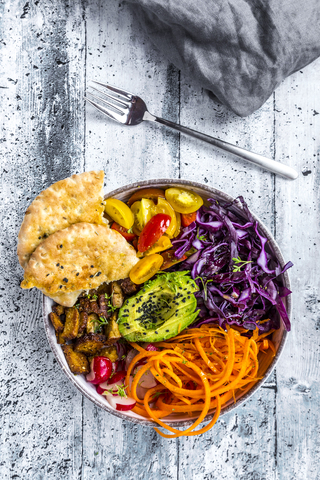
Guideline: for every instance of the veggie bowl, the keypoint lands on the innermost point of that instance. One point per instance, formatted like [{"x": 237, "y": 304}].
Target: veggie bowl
[{"x": 279, "y": 335}]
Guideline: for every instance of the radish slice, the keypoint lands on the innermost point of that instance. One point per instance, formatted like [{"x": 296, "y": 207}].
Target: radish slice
[
  {"x": 117, "y": 380},
  {"x": 130, "y": 357},
  {"x": 147, "y": 380},
  {"x": 141, "y": 392},
  {"x": 150, "y": 347},
  {"x": 121, "y": 403}
]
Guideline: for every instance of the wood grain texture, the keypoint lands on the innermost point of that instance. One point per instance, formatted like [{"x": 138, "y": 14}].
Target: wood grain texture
[{"x": 49, "y": 52}]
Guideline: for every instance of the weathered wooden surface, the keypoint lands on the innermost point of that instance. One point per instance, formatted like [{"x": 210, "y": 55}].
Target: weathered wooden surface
[{"x": 49, "y": 51}]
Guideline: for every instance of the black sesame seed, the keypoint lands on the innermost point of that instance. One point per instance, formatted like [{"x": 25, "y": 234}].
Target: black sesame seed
[
  {"x": 47, "y": 274},
  {"x": 60, "y": 246},
  {"x": 91, "y": 276},
  {"x": 65, "y": 280},
  {"x": 61, "y": 267},
  {"x": 77, "y": 274},
  {"x": 58, "y": 264},
  {"x": 60, "y": 286},
  {"x": 91, "y": 266},
  {"x": 167, "y": 330},
  {"x": 98, "y": 274}
]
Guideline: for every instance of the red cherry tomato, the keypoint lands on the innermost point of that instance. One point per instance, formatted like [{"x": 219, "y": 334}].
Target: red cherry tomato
[
  {"x": 128, "y": 236},
  {"x": 188, "y": 218},
  {"x": 153, "y": 230},
  {"x": 101, "y": 369}
]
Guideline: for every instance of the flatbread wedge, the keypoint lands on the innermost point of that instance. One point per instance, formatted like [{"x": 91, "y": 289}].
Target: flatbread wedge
[
  {"x": 80, "y": 257},
  {"x": 78, "y": 198}
]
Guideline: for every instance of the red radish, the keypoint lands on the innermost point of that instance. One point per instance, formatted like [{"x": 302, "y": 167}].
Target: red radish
[
  {"x": 121, "y": 403},
  {"x": 130, "y": 357},
  {"x": 113, "y": 383},
  {"x": 150, "y": 347},
  {"x": 100, "y": 370},
  {"x": 147, "y": 380}
]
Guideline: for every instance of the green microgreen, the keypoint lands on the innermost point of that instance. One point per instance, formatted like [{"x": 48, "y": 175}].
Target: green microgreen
[{"x": 239, "y": 264}]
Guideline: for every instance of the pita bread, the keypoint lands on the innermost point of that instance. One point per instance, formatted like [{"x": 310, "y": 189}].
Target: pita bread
[
  {"x": 78, "y": 198},
  {"x": 77, "y": 258}
]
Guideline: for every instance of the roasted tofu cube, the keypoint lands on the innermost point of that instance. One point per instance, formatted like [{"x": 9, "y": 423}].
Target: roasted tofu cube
[
  {"x": 56, "y": 322},
  {"x": 90, "y": 344},
  {"x": 58, "y": 309},
  {"x": 71, "y": 326},
  {"x": 92, "y": 323},
  {"x": 116, "y": 295},
  {"x": 83, "y": 323},
  {"x": 112, "y": 329},
  {"x": 78, "y": 362},
  {"x": 109, "y": 352}
]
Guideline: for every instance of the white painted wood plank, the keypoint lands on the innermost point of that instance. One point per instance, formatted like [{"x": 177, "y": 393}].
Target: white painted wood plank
[
  {"x": 41, "y": 142},
  {"x": 297, "y": 230},
  {"x": 117, "y": 52},
  {"x": 231, "y": 455}
]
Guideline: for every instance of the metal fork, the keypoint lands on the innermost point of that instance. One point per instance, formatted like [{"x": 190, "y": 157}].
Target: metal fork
[{"x": 129, "y": 109}]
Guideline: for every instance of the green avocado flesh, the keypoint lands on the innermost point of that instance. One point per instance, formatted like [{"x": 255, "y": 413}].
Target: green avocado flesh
[{"x": 160, "y": 310}]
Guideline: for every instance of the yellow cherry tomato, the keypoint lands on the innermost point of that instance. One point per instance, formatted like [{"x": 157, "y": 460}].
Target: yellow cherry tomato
[
  {"x": 142, "y": 212},
  {"x": 178, "y": 217},
  {"x": 164, "y": 207},
  {"x": 162, "y": 244},
  {"x": 119, "y": 212},
  {"x": 183, "y": 201},
  {"x": 145, "y": 268}
]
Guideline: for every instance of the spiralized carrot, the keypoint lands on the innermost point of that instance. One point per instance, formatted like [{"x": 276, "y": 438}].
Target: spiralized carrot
[{"x": 198, "y": 371}]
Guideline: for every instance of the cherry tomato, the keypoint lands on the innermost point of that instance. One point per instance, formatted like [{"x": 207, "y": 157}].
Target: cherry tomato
[
  {"x": 119, "y": 212},
  {"x": 169, "y": 259},
  {"x": 128, "y": 236},
  {"x": 146, "y": 193},
  {"x": 142, "y": 212},
  {"x": 162, "y": 244},
  {"x": 154, "y": 229},
  {"x": 188, "y": 218},
  {"x": 145, "y": 268},
  {"x": 178, "y": 228},
  {"x": 164, "y": 207},
  {"x": 183, "y": 201}
]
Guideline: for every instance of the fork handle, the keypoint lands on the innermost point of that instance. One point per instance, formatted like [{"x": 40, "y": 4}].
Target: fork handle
[{"x": 271, "y": 165}]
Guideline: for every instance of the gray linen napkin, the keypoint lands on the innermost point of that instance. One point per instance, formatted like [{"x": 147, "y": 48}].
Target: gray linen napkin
[{"x": 240, "y": 50}]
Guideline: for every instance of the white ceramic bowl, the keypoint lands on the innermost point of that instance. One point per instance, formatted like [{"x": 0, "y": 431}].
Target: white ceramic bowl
[{"x": 279, "y": 337}]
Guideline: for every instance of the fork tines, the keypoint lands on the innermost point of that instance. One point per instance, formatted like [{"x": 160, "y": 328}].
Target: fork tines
[{"x": 117, "y": 107}]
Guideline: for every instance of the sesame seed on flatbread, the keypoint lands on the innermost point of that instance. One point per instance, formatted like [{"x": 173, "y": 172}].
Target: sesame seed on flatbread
[
  {"x": 77, "y": 258},
  {"x": 78, "y": 198}
]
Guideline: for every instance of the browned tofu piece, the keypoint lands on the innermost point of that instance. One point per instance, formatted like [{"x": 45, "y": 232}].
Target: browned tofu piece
[
  {"x": 128, "y": 287},
  {"x": 112, "y": 330},
  {"x": 56, "y": 322},
  {"x": 83, "y": 323},
  {"x": 71, "y": 326},
  {"x": 90, "y": 344},
  {"x": 116, "y": 295},
  {"x": 92, "y": 323},
  {"x": 109, "y": 352},
  {"x": 58, "y": 309},
  {"x": 78, "y": 362}
]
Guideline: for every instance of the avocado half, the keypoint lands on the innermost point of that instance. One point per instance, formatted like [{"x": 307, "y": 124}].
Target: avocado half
[{"x": 160, "y": 310}]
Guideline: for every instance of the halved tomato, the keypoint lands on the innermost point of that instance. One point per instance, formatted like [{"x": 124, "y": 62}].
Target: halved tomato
[
  {"x": 183, "y": 201},
  {"x": 119, "y": 212},
  {"x": 162, "y": 244},
  {"x": 142, "y": 212},
  {"x": 145, "y": 268},
  {"x": 151, "y": 193},
  {"x": 188, "y": 218},
  {"x": 154, "y": 229},
  {"x": 178, "y": 227},
  {"x": 124, "y": 232},
  {"x": 164, "y": 207}
]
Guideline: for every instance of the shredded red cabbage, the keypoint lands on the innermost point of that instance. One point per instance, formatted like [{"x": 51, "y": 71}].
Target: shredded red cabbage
[{"x": 235, "y": 268}]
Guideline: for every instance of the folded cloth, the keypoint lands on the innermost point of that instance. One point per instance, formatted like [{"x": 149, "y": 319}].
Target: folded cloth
[{"x": 240, "y": 50}]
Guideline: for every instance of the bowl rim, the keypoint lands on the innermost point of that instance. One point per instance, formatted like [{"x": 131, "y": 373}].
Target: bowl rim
[{"x": 183, "y": 423}]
